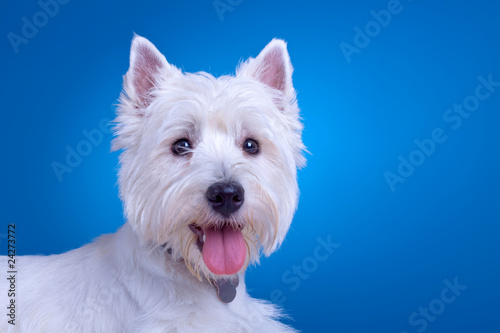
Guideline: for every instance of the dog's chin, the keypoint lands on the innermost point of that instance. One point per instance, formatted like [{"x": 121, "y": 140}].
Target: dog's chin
[{"x": 222, "y": 246}]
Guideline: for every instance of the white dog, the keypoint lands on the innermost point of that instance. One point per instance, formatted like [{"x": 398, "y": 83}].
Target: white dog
[{"x": 208, "y": 183}]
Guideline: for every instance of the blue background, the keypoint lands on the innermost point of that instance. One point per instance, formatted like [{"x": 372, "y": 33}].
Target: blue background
[{"x": 396, "y": 247}]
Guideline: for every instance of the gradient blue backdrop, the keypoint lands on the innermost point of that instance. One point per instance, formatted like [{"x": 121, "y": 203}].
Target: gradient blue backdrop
[{"x": 396, "y": 247}]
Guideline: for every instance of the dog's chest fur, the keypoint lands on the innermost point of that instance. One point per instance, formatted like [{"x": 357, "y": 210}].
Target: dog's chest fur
[{"x": 115, "y": 285}]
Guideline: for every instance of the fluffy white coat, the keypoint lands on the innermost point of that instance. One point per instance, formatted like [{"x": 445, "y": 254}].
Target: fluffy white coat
[{"x": 149, "y": 276}]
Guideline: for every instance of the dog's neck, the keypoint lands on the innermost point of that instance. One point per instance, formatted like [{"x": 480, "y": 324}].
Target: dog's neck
[
  {"x": 159, "y": 261},
  {"x": 225, "y": 287}
]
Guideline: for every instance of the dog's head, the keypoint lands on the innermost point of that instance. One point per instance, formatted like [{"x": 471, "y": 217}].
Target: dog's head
[{"x": 209, "y": 164}]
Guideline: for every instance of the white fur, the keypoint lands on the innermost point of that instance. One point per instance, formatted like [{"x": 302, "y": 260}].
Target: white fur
[{"x": 149, "y": 276}]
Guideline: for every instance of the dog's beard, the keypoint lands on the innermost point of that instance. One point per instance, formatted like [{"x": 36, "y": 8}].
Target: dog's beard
[
  {"x": 213, "y": 246},
  {"x": 220, "y": 247}
]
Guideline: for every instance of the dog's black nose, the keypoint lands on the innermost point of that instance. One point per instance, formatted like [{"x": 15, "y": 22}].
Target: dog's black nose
[{"x": 225, "y": 198}]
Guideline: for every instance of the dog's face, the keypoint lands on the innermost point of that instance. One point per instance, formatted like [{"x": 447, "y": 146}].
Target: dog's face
[{"x": 209, "y": 164}]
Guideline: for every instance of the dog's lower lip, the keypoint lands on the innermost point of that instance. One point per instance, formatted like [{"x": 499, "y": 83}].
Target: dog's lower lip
[{"x": 196, "y": 230}]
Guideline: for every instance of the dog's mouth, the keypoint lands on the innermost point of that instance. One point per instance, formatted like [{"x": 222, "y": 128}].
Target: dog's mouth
[{"x": 222, "y": 247}]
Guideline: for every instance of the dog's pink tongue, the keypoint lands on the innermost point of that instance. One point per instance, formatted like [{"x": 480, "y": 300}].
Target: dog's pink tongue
[{"x": 224, "y": 251}]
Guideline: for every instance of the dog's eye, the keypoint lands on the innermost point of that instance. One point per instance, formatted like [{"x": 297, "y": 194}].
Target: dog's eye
[
  {"x": 181, "y": 147},
  {"x": 251, "y": 146}
]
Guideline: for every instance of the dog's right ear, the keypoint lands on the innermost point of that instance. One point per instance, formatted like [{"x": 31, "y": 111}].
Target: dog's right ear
[{"x": 147, "y": 68}]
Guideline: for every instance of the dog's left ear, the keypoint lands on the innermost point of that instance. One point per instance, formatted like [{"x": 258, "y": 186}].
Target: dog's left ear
[{"x": 271, "y": 67}]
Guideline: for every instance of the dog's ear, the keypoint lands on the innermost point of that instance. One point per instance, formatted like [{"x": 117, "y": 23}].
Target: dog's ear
[
  {"x": 148, "y": 70},
  {"x": 271, "y": 67},
  {"x": 147, "y": 67}
]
